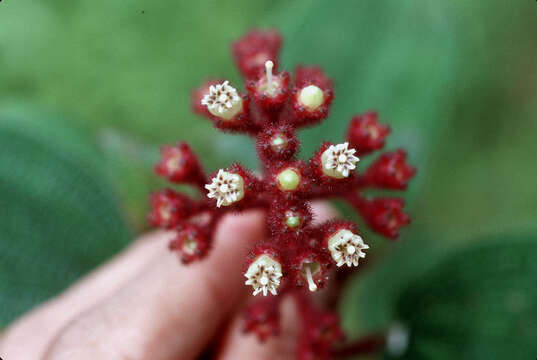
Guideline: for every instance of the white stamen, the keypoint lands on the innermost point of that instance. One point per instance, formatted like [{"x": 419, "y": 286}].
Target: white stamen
[
  {"x": 226, "y": 188},
  {"x": 338, "y": 160},
  {"x": 346, "y": 248},
  {"x": 264, "y": 275},
  {"x": 268, "y": 69},
  {"x": 312, "y": 285},
  {"x": 223, "y": 101},
  {"x": 270, "y": 86}
]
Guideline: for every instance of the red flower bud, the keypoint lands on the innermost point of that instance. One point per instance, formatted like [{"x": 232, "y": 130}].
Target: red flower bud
[
  {"x": 384, "y": 215},
  {"x": 179, "y": 164},
  {"x": 191, "y": 243},
  {"x": 288, "y": 220},
  {"x": 321, "y": 333},
  {"x": 169, "y": 208},
  {"x": 366, "y": 134},
  {"x": 254, "y": 49},
  {"x": 263, "y": 318},
  {"x": 277, "y": 143},
  {"x": 390, "y": 171},
  {"x": 327, "y": 330},
  {"x": 312, "y": 94},
  {"x": 289, "y": 180}
]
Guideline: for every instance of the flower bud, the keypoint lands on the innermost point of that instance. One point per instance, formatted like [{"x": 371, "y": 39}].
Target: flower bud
[
  {"x": 312, "y": 95},
  {"x": 254, "y": 49},
  {"x": 384, "y": 215},
  {"x": 390, "y": 171},
  {"x": 263, "y": 318},
  {"x": 179, "y": 164},
  {"x": 288, "y": 179},
  {"x": 366, "y": 134},
  {"x": 289, "y": 220},
  {"x": 169, "y": 208},
  {"x": 327, "y": 331},
  {"x": 277, "y": 143},
  {"x": 191, "y": 243}
]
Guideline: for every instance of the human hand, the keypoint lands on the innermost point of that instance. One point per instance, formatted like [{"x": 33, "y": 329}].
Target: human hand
[{"x": 144, "y": 304}]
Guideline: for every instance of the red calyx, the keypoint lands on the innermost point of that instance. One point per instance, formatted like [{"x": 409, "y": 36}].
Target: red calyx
[
  {"x": 169, "y": 208},
  {"x": 191, "y": 242},
  {"x": 179, "y": 164},
  {"x": 288, "y": 220},
  {"x": 277, "y": 142},
  {"x": 254, "y": 49},
  {"x": 384, "y": 215},
  {"x": 305, "y": 76},
  {"x": 270, "y": 99},
  {"x": 366, "y": 134},
  {"x": 321, "y": 332},
  {"x": 240, "y": 122},
  {"x": 390, "y": 171},
  {"x": 262, "y": 318},
  {"x": 317, "y": 263}
]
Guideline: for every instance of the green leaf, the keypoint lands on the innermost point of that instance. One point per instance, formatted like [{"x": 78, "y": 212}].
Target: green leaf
[
  {"x": 59, "y": 216},
  {"x": 478, "y": 302}
]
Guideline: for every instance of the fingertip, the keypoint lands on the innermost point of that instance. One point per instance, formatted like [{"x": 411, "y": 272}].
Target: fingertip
[
  {"x": 238, "y": 345},
  {"x": 323, "y": 211}
]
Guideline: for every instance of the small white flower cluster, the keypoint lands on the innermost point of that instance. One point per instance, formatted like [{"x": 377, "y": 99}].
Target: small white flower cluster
[
  {"x": 222, "y": 100},
  {"x": 346, "y": 248},
  {"x": 264, "y": 275},
  {"x": 226, "y": 187},
  {"x": 338, "y": 160}
]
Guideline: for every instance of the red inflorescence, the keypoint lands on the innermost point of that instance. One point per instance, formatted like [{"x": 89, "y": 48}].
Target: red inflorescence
[{"x": 298, "y": 254}]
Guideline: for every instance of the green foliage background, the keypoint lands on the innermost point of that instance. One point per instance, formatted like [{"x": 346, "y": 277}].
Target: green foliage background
[{"x": 90, "y": 89}]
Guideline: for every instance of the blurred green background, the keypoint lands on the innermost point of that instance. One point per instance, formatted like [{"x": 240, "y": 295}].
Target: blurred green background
[{"x": 90, "y": 89}]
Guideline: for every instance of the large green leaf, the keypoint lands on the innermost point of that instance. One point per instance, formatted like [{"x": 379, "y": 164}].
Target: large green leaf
[
  {"x": 58, "y": 217},
  {"x": 478, "y": 302}
]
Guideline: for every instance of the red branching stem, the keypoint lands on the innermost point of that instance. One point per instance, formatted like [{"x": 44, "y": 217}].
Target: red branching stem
[{"x": 362, "y": 346}]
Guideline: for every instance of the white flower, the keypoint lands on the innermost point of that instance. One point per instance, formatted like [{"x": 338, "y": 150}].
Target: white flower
[
  {"x": 346, "y": 248},
  {"x": 223, "y": 101},
  {"x": 338, "y": 160},
  {"x": 226, "y": 187},
  {"x": 264, "y": 275}
]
